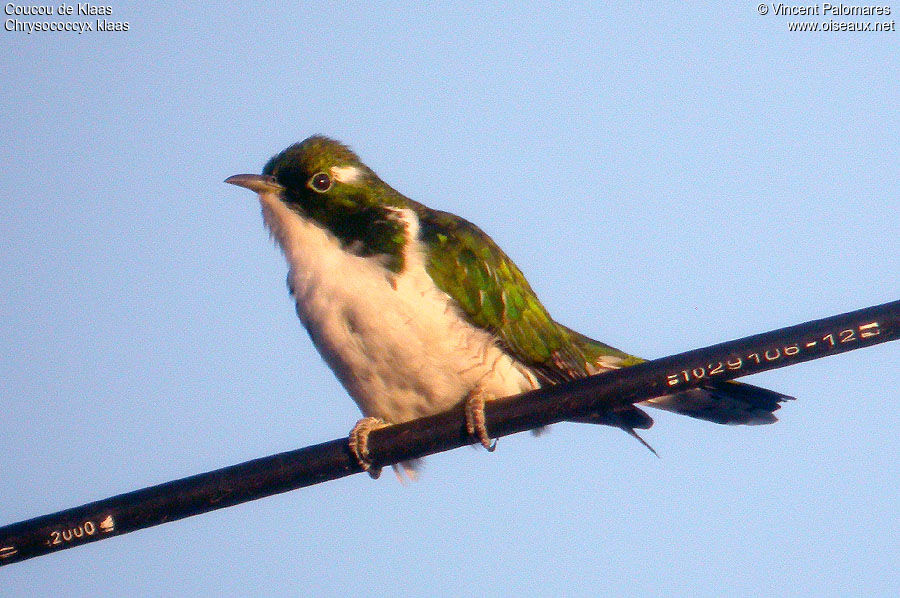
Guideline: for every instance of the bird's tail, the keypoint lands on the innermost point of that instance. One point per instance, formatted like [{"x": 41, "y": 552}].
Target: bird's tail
[{"x": 724, "y": 403}]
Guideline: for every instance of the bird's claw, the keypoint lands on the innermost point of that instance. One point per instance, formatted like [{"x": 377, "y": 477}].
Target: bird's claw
[
  {"x": 476, "y": 423},
  {"x": 359, "y": 443}
]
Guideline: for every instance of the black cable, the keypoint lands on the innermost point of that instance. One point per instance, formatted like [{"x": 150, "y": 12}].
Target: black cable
[{"x": 597, "y": 394}]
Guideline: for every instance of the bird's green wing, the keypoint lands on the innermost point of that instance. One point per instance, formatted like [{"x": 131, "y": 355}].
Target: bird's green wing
[{"x": 493, "y": 293}]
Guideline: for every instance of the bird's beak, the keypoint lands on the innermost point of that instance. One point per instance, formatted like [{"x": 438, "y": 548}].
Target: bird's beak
[{"x": 256, "y": 182}]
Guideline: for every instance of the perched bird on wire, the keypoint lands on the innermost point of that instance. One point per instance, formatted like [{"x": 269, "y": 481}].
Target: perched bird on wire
[{"x": 418, "y": 311}]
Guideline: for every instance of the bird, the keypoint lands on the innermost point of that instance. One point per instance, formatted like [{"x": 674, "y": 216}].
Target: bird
[{"x": 418, "y": 311}]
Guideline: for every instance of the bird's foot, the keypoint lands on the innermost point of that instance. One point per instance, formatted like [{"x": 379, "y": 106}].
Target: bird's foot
[
  {"x": 359, "y": 443},
  {"x": 476, "y": 423}
]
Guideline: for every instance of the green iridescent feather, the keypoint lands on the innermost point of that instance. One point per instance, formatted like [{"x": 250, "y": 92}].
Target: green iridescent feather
[{"x": 493, "y": 293}]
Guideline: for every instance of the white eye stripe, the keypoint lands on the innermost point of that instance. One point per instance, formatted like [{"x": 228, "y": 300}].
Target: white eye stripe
[{"x": 346, "y": 174}]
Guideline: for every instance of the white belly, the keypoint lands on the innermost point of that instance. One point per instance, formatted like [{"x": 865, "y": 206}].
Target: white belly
[{"x": 397, "y": 343}]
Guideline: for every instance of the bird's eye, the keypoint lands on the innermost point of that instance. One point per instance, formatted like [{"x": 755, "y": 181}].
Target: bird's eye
[{"x": 320, "y": 182}]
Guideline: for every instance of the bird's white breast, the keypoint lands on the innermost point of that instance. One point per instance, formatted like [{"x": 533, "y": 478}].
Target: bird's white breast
[{"x": 398, "y": 343}]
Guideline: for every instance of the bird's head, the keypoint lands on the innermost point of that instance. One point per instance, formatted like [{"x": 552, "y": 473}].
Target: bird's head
[{"x": 322, "y": 179}]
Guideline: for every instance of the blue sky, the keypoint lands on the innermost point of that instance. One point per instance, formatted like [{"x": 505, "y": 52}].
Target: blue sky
[{"x": 668, "y": 176}]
